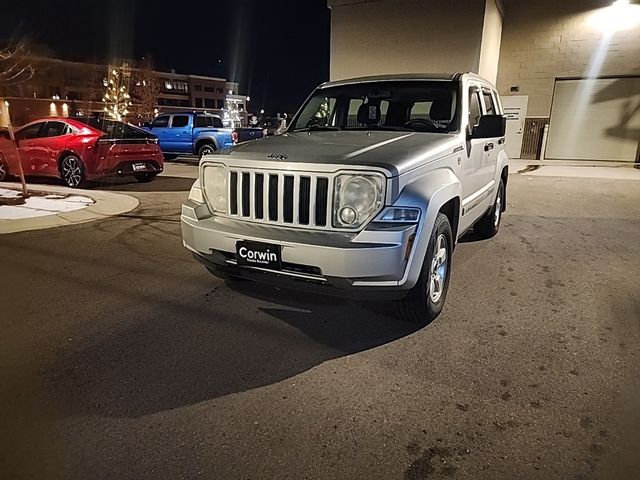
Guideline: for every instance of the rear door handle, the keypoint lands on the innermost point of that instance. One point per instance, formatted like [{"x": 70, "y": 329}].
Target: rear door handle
[{"x": 488, "y": 146}]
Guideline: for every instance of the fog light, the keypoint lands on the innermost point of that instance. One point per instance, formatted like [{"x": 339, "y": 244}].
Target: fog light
[{"x": 348, "y": 215}]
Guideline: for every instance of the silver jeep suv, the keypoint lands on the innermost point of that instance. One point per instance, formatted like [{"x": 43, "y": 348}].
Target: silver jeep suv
[{"x": 365, "y": 195}]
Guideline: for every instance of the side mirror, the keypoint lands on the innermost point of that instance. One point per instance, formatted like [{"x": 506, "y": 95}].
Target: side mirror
[{"x": 490, "y": 126}]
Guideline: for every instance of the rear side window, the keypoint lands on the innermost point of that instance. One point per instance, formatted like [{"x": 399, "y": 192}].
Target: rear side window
[
  {"x": 207, "y": 121},
  {"x": 161, "y": 122},
  {"x": 179, "y": 121},
  {"x": 474, "y": 107},
  {"x": 489, "y": 104},
  {"x": 55, "y": 129}
]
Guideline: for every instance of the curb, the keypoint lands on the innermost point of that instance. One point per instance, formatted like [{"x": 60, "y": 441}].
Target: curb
[{"x": 106, "y": 204}]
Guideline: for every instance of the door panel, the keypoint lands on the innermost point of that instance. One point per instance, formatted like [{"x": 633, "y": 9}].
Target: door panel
[
  {"x": 180, "y": 134},
  {"x": 515, "y": 111},
  {"x": 473, "y": 162},
  {"x": 28, "y": 147},
  {"x": 53, "y": 139}
]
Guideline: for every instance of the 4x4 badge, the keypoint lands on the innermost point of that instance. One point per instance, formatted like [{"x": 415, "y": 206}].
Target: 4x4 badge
[{"x": 278, "y": 156}]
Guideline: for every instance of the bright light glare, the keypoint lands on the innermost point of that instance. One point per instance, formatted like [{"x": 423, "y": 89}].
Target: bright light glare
[{"x": 621, "y": 15}]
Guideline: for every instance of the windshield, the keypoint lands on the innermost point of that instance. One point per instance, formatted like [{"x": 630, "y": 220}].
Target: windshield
[{"x": 414, "y": 106}]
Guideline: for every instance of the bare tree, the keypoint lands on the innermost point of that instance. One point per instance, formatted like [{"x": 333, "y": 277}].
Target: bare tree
[
  {"x": 145, "y": 91},
  {"x": 17, "y": 65}
]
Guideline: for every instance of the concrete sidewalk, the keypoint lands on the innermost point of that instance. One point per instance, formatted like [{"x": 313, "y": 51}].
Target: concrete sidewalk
[
  {"x": 608, "y": 170},
  {"x": 105, "y": 205}
]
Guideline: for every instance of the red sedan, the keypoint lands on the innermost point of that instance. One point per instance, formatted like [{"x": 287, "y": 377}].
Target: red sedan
[{"x": 78, "y": 150}]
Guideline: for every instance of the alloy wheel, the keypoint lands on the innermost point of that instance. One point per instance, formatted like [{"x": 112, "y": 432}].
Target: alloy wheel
[
  {"x": 438, "y": 271},
  {"x": 498, "y": 209},
  {"x": 71, "y": 171},
  {"x": 4, "y": 171}
]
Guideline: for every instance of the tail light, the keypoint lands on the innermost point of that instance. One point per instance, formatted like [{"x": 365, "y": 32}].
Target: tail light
[{"x": 234, "y": 137}]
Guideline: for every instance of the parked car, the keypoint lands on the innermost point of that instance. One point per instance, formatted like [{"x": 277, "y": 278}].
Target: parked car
[
  {"x": 197, "y": 133},
  {"x": 365, "y": 195},
  {"x": 78, "y": 150}
]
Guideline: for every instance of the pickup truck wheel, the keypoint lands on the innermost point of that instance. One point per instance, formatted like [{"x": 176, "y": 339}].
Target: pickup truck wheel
[
  {"x": 72, "y": 171},
  {"x": 489, "y": 225},
  {"x": 425, "y": 300},
  {"x": 206, "y": 149},
  {"x": 145, "y": 177}
]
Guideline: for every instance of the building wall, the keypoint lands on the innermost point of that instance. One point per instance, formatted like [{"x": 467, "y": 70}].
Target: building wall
[
  {"x": 546, "y": 39},
  {"x": 491, "y": 40},
  {"x": 371, "y": 37}
]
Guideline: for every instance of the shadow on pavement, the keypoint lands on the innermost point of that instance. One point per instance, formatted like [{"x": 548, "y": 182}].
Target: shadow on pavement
[
  {"x": 161, "y": 183},
  {"x": 201, "y": 339}
]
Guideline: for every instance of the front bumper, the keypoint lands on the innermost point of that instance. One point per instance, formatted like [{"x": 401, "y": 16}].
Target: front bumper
[{"x": 368, "y": 263}]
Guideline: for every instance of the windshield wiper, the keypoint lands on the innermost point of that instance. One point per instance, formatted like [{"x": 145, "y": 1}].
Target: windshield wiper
[
  {"x": 318, "y": 128},
  {"x": 382, "y": 128}
]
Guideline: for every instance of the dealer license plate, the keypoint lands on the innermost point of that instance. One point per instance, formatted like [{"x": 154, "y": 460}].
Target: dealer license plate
[{"x": 257, "y": 254}]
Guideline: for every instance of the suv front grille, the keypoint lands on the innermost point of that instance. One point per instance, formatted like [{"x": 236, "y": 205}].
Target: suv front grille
[{"x": 283, "y": 198}]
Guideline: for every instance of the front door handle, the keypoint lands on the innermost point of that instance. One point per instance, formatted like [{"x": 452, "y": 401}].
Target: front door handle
[{"x": 488, "y": 146}]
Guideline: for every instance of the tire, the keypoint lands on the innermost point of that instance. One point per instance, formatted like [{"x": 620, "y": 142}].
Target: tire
[
  {"x": 72, "y": 171},
  {"x": 145, "y": 177},
  {"x": 206, "y": 149},
  {"x": 489, "y": 225},
  {"x": 426, "y": 299},
  {"x": 4, "y": 169}
]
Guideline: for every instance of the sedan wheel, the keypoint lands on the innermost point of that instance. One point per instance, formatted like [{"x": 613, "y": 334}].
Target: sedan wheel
[
  {"x": 72, "y": 171},
  {"x": 4, "y": 169}
]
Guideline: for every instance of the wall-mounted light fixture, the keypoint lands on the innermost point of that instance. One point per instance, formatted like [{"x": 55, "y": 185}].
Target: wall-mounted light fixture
[{"x": 620, "y": 15}]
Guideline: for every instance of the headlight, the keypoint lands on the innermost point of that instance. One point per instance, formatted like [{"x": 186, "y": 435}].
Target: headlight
[
  {"x": 195, "y": 194},
  {"x": 356, "y": 198},
  {"x": 215, "y": 187}
]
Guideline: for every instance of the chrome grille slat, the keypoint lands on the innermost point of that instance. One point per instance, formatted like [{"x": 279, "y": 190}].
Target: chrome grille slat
[
  {"x": 298, "y": 199},
  {"x": 281, "y": 198},
  {"x": 312, "y": 201}
]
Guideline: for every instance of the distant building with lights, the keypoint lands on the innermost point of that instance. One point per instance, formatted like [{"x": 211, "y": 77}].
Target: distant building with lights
[{"x": 64, "y": 88}]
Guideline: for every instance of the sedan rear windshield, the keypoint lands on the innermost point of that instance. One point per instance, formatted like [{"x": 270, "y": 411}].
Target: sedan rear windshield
[
  {"x": 413, "y": 106},
  {"x": 114, "y": 129}
]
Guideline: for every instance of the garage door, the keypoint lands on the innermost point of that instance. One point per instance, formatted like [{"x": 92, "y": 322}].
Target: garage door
[{"x": 595, "y": 119}]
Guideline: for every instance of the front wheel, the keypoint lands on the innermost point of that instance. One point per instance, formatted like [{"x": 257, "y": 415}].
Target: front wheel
[
  {"x": 72, "y": 171},
  {"x": 4, "y": 169},
  {"x": 425, "y": 300}
]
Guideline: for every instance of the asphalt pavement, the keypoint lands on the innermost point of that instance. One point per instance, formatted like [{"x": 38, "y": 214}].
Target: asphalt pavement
[{"x": 121, "y": 357}]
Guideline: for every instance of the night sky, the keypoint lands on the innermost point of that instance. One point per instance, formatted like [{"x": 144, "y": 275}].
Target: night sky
[{"x": 277, "y": 49}]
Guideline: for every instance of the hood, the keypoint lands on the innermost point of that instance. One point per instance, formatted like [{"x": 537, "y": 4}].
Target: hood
[{"x": 396, "y": 152}]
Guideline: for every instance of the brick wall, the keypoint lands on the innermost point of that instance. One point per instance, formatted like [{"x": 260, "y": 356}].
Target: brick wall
[{"x": 546, "y": 39}]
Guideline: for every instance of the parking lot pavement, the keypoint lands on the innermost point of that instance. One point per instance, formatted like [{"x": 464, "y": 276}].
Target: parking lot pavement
[{"x": 120, "y": 357}]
